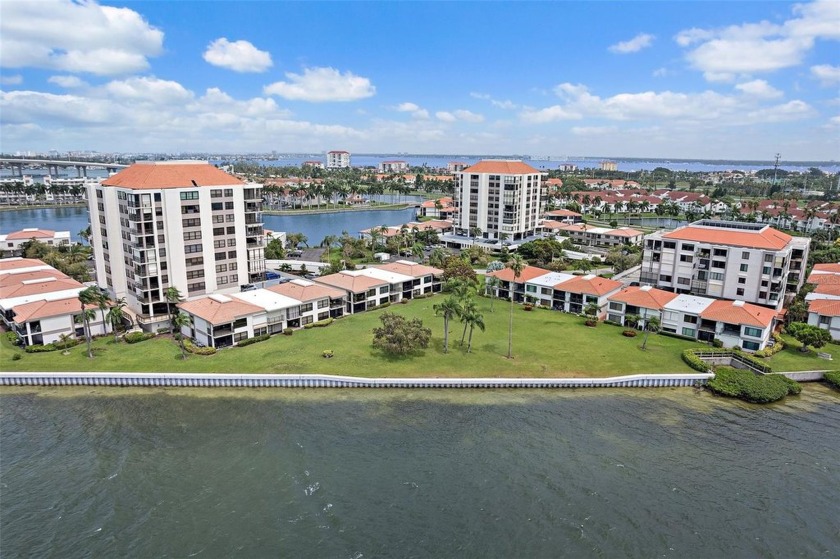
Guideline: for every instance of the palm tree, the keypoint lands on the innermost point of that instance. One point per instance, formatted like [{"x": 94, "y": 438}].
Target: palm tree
[
  {"x": 448, "y": 309},
  {"x": 87, "y": 297},
  {"x": 651, "y": 324},
  {"x": 475, "y": 319},
  {"x": 115, "y": 316},
  {"x": 173, "y": 297},
  {"x": 178, "y": 322},
  {"x": 468, "y": 307},
  {"x": 492, "y": 283},
  {"x": 517, "y": 264}
]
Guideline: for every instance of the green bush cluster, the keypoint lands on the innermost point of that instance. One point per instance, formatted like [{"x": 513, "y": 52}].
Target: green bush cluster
[
  {"x": 288, "y": 332},
  {"x": 12, "y": 337},
  {"x": 694, "y": 362},
  {"x": 254, "y": 340},
  {"x": 323, "y": 323},
  {"x": 67, "y": 343},
  {"x": 833, "y": 379},
  {"x": 678, "y": 336},
  {"x": 717, "y": 343},
  {"x": 137, "y": 337},
  {"x": 194, "y": 349},
  {"x": 748, "y": 386},
  {"x": 40, "y": 348},
  {"x": 17, "y": 356},
  {"x": 777, "y": 347}
]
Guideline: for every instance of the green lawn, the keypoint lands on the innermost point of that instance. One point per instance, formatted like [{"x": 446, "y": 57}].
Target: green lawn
[
  {"x": 545, "y": 343},
  {"x": 791, "y": 359}
]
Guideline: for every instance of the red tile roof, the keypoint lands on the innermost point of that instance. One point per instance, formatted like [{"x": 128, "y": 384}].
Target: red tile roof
[
  {"x": 445, "y": 202},
  {"x": 218, "y": 309},
  {"x": 37, "y": 310},
  {"x": 563, "y": 213},
  {"x": 502, "y": 168},
  {"x": 171, "y": 175},
  {"x": 409, "y": 268},
  {"x": 831, "y": 268},
  {"x": 624, "y": 232},
  {"x": 27, "y": 234},
  {"x": 39, "y": 286},
  {"x": 528, "y": 273},
  {"x": 648, "y": 298},
  {"x": 819, "y": 279},
  {"x": 825, "y": 307},
  {"x": 9, "y": 264},
  {"x": 768, "y": 238},
  {"x": 827, "y": 289},
  {"x": 738, "y": 312},
  {"x": 306, "y": 290},
  {"x": 354, "y": 283},
  {"x": 590, "y": 285}
]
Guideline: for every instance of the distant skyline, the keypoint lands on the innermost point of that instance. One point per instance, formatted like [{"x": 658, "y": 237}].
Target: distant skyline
[{"x": 699, "y": 80}]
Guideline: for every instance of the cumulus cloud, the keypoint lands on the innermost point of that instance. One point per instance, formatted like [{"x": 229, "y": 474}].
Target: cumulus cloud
[
  {"x": 318, "y": 85},
  {"x": 826, "y": 73},
  {"x": 637, "y": 43},
  {"x": 67, "y": 82},
  {"x": 149, "y": 89},
  {"x": 502, "y": 104},
  {"x": 722, "y": 54},
  {"x": 460, "y": 114},
  {"x": 413, "y": 108},
  {"x": 14, "y": 79},
  {"x": 669, "y": 106},
  {"x": 239, "y": 56},
  {"x": 76, "y": 37},
  {"x": 759, "y": 88}
]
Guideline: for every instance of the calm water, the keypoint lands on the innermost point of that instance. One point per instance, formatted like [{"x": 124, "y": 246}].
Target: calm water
[
  {"x": 352, "y": 474},
  {"x": 315, "y": 227}
]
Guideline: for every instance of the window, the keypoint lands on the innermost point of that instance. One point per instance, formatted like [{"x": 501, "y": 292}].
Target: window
[
  {"x": 306, "y": 320},
  {"x": 216, "y": 206},
  {"x": 198, "y": 286},
  {"x": 824, "y": 320},
  {"x": 742, "y": 281},
  {"x": 719, "y": 252},
  {"x": 191, "y": 222},
  {"x": 231, "y": 242},
  {"x": 665, "y": 278},
  {"x": 228, "y": 205},
  {"x": 718, "y": 264},
  {"x": 752, "y": 332},
  {"x": 221, "y": 256},
  {"x": 745, "y": 255},
  {"x": 762, "y": 295},
  {"x": 240, "y": 323},
  {"x": 231, "y": 230},
  {"x": 669, "y": 244},
  {"x": 688, "y": 332},
  {"x": 766, "y": 270},
  {"x": 233, "y": 266},
  {"x": 190, "y": 195},
  {"x": 218, "y": 219},
  {"x": 218, "y": 231},
  {"x": 222, "y": 280},
  {"x": 385, "y": 289},
  {"x": 230, "y": 218},
  {"x": 752, "y": 346},
  {"x": 219, "y": 244},
  {"x": 306, "y": 307},
  {"x": 531, "y": 288},
  {"x": 239, "y": 336},
  {"x": 768, "y": 258},
  {"x": 195, "y": 274},
  {"x": 686, "y": 258},
  {"x": 745, "y": 267},
  {"x": 192, "y": 235},
  {"x": 323, "y": 303},
  {"x": 739, "y": 292},
  {"x": 189, "y": 249},
  {"x": 614, "y": 306},
  {"x": 231, "y": 254},
  {"x": 684, "y": 281},
  {"x": 690, "y": 319},
  {"x": 221, "y": 268},
  {"x": 228, "y": 192},
  {"x": 216, "y": 193},
  {"x": 688, "y": 247}
]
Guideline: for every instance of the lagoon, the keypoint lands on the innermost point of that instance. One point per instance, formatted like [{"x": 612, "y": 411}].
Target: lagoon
[{"x": 495, "y": 473}]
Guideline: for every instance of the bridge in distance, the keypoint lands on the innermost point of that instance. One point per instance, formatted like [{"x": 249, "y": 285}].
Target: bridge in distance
[{"x": 17, "y": 164}]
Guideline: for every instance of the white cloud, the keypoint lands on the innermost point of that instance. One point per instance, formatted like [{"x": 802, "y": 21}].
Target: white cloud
[
  {"x": 637, "y": 43},
  {"x": 506, "y": 104},
  {"x": 76, "y": 37},
  {"x": 67, "y": 82},
  {"x": 826, "y": 73},
  {"x": 705, "y": 107},
  {"x": 459, "y": 115},
  {"x": 594, "y": 130},
  {"x": 149, "y": 89},
  {"x": 239, "y": 56},
  {"x": 759, "y": 88},
  {"x": 413, "y": 108},
  {"x": 15, "y": 79},
  {"x": 761, "y": 47},
  {"x": 318, "y": 85}
]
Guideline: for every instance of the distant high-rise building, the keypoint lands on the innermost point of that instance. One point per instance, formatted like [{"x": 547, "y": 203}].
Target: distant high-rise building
[
  {"x": 182, "y": 224},
  {"x": 338, "y": 159},
  {"x": 609, "y": 166},
  {"x": 501, "y": 199}
]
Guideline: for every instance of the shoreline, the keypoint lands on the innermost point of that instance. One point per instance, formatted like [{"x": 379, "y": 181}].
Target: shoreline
[
  {"x": 403, "y": 206},
  {"x": 41, "y": 207}
]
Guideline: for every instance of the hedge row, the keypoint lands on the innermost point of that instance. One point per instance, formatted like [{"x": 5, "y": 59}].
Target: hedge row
[
  {"x": 833, "y": 379},
  {"x": 748, "y": 386},
  {"x": 770, "y": 351},
  {"x": 694, "y": 362},
  {"x": 254, "y": 340},
  {"x": 137, "y": 337},
  {"x": 192, "y": 348},
  {"x": 319, "y": 324},
  {"x": 54, "y": 346}
]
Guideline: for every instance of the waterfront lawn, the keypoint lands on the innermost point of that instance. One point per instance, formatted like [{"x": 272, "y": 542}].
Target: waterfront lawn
[
  {"x": 791, "y": 359},
  {"x": 545, "y": 344}
]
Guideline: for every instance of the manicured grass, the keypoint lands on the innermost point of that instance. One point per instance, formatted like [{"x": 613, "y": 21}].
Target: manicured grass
[
  {"x": 545, "y": 344},
  {"x": 791, "y": 359}
]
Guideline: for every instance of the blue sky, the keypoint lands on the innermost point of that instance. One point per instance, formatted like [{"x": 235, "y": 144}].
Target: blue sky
[{"x": 729, "y": 80}]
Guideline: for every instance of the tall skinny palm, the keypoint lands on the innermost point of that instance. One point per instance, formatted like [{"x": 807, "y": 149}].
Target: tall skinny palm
[
  {"x": 180, "y": 321},
  {"x": 475, "y": 319},
  {"x": 468, "y": 309},
  {"x": 173, "y": 297},
  {"x": 115, "y": 316},
  {"x": 516, "y": 264},
  {"x": 448, "y": 309},
  {"x": 87, "y": 297}
]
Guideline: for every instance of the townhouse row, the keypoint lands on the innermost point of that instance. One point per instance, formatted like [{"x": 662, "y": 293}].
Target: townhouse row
[
  {"x": 40, "y": 304},
  {"x": 222, "y": 320},
  {"x": 824, "y": 300},
  {"x": 733, "y": 323}
]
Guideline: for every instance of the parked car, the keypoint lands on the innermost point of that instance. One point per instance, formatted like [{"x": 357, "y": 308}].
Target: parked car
[
  {"x": 295, "y": 253},
  {"x": 272, "y": 275}
]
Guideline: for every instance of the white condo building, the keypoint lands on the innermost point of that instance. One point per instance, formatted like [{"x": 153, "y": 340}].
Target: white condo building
[
  {"x": 502, "y": 199},
  {"x": 182, "y": 224},
  {"x": 726, "y": 260},
  {"x": 338, "y": 159}
]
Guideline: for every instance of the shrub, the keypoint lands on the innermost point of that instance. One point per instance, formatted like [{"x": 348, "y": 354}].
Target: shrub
[
  {"x": 194, "y": 349},
  {"x": 404, "y": 301},
  {"x": 591, "y": 323},
  {"x": 137, "y": 337},
  {"x": 327, "y": 353},
  {"x": 717, "y": 343},
  {"x": 40, "y": 348},
  {"x": 694, "y": 362},
  {"x": 528, "y": 306},
  {"x": 833, "y": 379},
  {"x": 323, "y": 323},
  {"x": 288, "y": 332},
  {"x": 630, "y": 333},
  {"x": 67, "y": 343},
  {"x": 254, "y": 340},
  {"x": 12, "y": 337},
  {"x": 746, "y": 385},
  {"x": 16, "y": 356}
]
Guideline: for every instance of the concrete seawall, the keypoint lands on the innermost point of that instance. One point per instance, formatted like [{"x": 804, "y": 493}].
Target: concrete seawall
[{"x": 330, "y": 381}]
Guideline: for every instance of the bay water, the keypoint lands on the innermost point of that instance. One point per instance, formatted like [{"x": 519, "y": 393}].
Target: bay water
[{"x": 108, "y": 472}]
